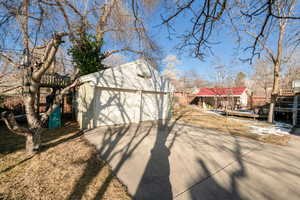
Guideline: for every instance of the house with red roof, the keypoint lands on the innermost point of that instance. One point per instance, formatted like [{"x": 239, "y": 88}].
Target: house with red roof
[{"x": 228, "y": 98}]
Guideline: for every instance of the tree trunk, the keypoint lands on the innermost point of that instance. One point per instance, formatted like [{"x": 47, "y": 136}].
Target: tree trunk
[
  {"x": 275, "y": 92},
  {"x": 32, "y": 132},
  {"x": 277, "y": 64},
  {"x": 271, "y": 109},
  {"x": 33, "y": 139},
  {"x": 33, "y": 142}
]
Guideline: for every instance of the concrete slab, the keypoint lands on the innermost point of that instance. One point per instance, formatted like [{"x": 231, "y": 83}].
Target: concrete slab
[
  {"x": 270, "y": 173},
  {"x": 161, "y": 160}
]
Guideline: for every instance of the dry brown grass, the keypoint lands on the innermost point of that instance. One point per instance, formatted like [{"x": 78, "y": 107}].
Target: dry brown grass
[
  {"x": 67, "y": 168},
  {"x": 193, "y": 115}
]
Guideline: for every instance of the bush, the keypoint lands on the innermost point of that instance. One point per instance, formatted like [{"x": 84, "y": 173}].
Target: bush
[{"x": 87, "y": 54}]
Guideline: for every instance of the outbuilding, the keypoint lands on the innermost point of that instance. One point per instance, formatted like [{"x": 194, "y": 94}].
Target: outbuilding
[
  {"x": 129, "y": 93},
  {"x": 230, "y": 98}
]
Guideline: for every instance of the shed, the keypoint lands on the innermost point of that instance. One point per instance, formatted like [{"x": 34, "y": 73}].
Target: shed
[
  {"x": 129, "y": 93},
  {"x": 223, "y": 97}
]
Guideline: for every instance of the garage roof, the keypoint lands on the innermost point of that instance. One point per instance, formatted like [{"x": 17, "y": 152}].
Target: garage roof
[{"x": 136, "y": 75}]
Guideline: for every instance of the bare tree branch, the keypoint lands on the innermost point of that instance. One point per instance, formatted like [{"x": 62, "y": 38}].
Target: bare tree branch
[
  {"x": 179, "y": 11},
  {"x": 70, "y": 29},
  {"x": 50, "y": 53},
  {"x": 106, "y": 12},
  {"x": 10, "y": 60},
  {"x": 12, "y": 124},
  {"x": 203, "y": 20},
  {"x": 109, "y": 53},
  {"x": 264, "y": 46}
]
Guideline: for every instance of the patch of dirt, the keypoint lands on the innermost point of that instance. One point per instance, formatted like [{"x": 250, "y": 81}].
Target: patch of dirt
[
  {"x": 66, "y": 168},
  {"x": 194, "y": 115}
]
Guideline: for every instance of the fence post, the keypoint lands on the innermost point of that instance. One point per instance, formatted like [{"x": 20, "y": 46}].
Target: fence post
[{"x": 295, "y": 110}]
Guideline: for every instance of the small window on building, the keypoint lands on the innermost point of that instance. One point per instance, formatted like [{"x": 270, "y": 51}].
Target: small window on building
[{"x": 145, "y": 75}]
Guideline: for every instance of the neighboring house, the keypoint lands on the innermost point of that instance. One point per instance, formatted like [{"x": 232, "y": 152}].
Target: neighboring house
[
  {"x": 129, "y": 93},
  {"x": 230, "y": 98}
]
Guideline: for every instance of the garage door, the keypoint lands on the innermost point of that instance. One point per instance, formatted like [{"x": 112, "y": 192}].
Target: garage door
[
  {"x": 118, "y": 107},
  {"x": 115, "y": 107}
]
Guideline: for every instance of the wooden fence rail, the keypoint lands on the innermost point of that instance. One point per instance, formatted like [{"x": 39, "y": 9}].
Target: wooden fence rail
[{"x": 53, "y": 81}]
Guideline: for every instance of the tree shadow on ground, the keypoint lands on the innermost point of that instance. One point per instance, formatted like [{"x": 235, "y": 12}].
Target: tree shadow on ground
[
  {"x": 156, "y": 174},
  {"x": 155, "y": 179},
  {"x": 15, "y": 165},
  {"x": 50, "y": 138},
  {"x": 209, "y": 188},
  {"x": 11, "y": 142}
]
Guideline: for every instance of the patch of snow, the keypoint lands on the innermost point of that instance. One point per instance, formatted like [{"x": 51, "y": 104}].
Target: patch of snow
[
  {"x": 261, "y": 128},
  {"x": 216, "y": 112},
  {"x": 278, "y": 128},
  {"x": 283, "y": 125},
  {"x": 244, "y": 111}
]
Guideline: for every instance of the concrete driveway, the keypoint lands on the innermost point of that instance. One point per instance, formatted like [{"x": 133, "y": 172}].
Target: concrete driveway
[{"x": 168, "y": 160}]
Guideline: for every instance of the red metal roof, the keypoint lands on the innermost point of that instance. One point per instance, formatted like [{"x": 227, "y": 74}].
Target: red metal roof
[{"x": 221, "y": 91}]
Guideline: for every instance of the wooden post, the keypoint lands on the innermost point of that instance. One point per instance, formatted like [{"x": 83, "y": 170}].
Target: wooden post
[
  {"x": 295, "y": 110},
  {"x": 215, "y": 99},
  {"x": 62, "y": 106}
]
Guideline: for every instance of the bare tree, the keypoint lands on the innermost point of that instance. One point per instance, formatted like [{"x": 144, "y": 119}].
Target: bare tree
[
  {"x": 194, "y": 80},
  {"x": 223, "y": 73},
  {"x": 240, "y": 79},
  {"x": 115, "y": 60},
  {"x": 274, "y": 54},
  {"x": 170, "y": 71},
  {"x": 262, "y": 77},
  {"x": 208, "y": 16},
  {"x": 28, "y": 25},
  {"x": 291, "y": 70}
]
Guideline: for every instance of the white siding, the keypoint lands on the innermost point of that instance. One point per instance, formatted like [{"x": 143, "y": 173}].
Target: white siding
[
  {"x": 114, "y": 107},
  {"x": 101, "y": 106},
  {"x": 128, "y": 76},
  {"x": 119, "y": 95},
  {"x": 244, "y": 99}
]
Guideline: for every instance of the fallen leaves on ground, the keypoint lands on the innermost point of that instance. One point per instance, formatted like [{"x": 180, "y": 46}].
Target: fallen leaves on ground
[{"x": 67, "y": 168}]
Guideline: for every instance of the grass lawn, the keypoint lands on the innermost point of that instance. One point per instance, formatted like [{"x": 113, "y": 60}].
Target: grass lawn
[
  {"x": 193, "y": 115},
  {"x": 66, "y": 168}
]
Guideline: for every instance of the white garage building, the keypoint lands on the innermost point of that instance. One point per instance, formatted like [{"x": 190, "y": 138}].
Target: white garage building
[{"x": 129, "y": 93}]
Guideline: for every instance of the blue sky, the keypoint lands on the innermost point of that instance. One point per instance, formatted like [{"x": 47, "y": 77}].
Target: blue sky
[
  {"x": 225, "y": 53},
  {"x": 226, "y": 50}
]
